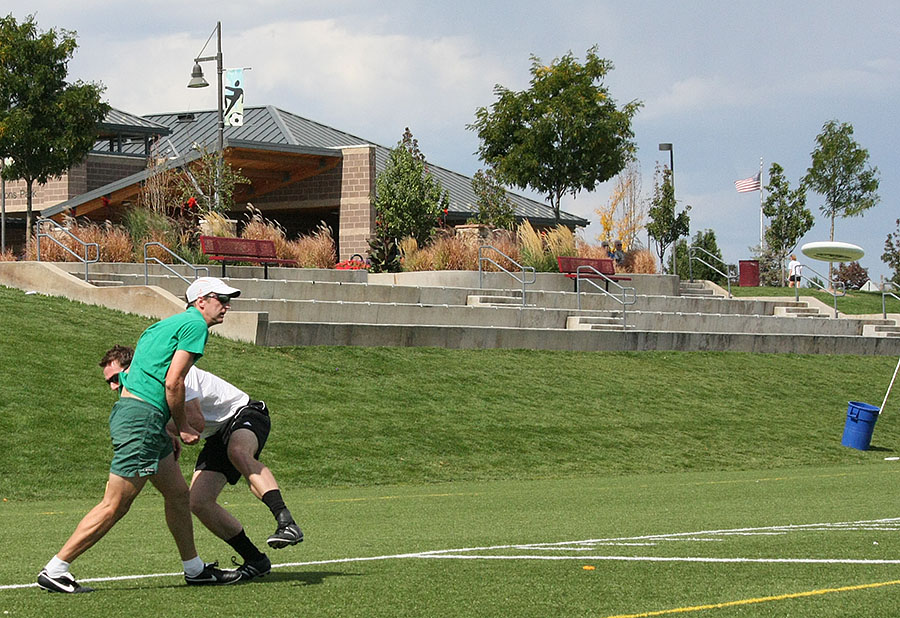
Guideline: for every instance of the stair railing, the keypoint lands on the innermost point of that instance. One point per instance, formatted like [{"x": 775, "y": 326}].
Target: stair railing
[
  {"x": 592, "y": 273},
  {"x": 833, "y": 290},
  {"x": 692, "y": 258},
  {"x": 85, "y": 259},
  {"x": 522, "y": 277},
  {"x": 149, "y": 258},
  {"x": 885, "y": 294}
]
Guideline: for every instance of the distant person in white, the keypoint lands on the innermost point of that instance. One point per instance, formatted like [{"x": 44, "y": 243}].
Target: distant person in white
[
  {"x": 795, "y": 270},
  {"x": 235, "y": 429}
]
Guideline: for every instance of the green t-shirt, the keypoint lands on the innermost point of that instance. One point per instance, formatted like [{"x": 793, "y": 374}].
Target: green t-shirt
[{"x": 153, "y": 354}]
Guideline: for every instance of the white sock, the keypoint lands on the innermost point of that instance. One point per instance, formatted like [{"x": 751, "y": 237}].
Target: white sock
[
  {"x": 56, "y": 567},
  {"x": 193, "y": 566}
]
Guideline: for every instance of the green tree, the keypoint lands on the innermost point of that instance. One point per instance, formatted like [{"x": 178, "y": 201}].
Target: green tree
[
  {"x": 203, "y": 178},
  {"x": 494, "y": 206},
  {"x": 46, "y": 124},
  {"x": 706, "y": 240},
  {"x": 561, "y": 135},
  {"x": 789, "y": 218},
  {"x": 891, "y": 255},
  {"x": 409, "y": 200},
  {"x": 665, "y": 226},
  {"x": 840, "y": 173}
]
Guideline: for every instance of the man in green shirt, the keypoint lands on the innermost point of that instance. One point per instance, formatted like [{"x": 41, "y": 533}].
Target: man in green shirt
[{"x": 153, "y": 391}]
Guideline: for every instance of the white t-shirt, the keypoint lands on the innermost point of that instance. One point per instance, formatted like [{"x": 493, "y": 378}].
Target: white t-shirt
[
  {"x": 218, "y": 399},
  {"x": 794, "y": 268}
]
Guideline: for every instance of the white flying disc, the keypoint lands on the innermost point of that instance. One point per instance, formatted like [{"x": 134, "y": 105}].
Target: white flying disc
[{"x": 832, "y": 251}]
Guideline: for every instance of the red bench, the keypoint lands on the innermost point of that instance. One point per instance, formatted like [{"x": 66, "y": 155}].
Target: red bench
[
  {"x": 223, "y": 249},
  {"x": 605, "y": 266}
]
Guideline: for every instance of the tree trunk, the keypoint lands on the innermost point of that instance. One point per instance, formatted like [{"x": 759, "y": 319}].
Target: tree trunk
[{"x": 29, "y": 183}]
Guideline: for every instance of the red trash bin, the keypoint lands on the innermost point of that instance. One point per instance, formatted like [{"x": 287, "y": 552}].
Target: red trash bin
[{"x": 748, "y": 273}]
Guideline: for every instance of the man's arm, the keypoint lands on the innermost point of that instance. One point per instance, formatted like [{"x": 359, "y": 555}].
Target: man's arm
[{"x": 178, "y": 368}]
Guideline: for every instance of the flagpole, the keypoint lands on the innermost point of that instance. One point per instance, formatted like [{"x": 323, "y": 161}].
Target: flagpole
[{"x": 761, "y": 226}]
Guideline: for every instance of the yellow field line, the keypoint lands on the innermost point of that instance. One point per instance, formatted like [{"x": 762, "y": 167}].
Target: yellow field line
[{"x": 780, "y": 597}]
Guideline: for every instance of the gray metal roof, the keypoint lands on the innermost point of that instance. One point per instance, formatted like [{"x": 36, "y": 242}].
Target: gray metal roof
[
  {"x": 117, "y": 121},
  {"x": 268, "y": 127},
  {"x": 271, "y": 125}
]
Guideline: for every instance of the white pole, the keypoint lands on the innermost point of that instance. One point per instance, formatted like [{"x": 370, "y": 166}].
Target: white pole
[
  {"x": 761, "y": 226},
  {"x": 890, "y": 386}
]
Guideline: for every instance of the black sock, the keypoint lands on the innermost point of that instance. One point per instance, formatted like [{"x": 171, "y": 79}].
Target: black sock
[
  {"x": 245, "y": 547},
  {"x": 275, "y": 502}
]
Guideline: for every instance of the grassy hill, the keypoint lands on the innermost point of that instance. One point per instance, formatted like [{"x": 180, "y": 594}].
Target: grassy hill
[{"x": 371, "y": 416}]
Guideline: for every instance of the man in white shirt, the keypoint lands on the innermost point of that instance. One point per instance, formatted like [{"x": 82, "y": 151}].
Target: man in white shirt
[{"x": 235, "y": 429}]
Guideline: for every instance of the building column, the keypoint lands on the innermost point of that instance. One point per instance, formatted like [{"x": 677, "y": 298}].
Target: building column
[{"x": 357, "y": 218}]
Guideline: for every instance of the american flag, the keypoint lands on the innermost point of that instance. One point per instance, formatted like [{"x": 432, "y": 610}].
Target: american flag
[{"x": 747, "y": 184}]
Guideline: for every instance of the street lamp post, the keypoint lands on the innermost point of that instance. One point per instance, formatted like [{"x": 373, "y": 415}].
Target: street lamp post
[
  {"x": 198, "y": 81},
  {"x": 663, "y": 147}
]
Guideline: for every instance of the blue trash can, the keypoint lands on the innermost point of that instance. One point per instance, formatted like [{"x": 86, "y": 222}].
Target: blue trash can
[{"x": 860, "y": 424}]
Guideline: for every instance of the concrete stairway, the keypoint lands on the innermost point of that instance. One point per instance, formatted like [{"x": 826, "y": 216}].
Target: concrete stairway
[{"x": 327, "y": 307}]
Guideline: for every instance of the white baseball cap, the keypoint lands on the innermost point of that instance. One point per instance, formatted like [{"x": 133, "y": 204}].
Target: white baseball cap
[{"x": 204, "y": 286}]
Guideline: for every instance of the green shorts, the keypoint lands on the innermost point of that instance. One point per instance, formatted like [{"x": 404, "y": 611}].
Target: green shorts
[{"x": 139, "y": 438}]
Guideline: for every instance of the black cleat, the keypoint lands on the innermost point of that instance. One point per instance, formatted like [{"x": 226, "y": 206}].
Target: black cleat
[
  {"x": 287, "y": 534},
  {"x": 212, "y": 576},
  {"x": 252, "y": 570},
  {"x": 64, "y": 583}
]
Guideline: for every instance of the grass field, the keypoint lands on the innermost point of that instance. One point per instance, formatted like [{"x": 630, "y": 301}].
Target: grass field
[{"x": 474, "y": 483}]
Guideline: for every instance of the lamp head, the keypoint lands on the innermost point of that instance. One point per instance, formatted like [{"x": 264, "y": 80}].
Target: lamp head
[
  {"x": 197, "y": 79},
  {"x": 666, "y": 146}
]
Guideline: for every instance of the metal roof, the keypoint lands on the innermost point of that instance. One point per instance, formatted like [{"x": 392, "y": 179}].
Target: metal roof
[
  {"x": 117, "y": 121},
  {"x": 271, "y": 125},
  {"x": 268, "y": 127}
]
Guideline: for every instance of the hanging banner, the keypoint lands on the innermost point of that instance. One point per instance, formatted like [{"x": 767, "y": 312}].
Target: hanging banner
[{"x": 234, "y": 97}]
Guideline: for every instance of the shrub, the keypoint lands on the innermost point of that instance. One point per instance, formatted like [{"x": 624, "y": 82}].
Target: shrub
[
  {"x": 314, "y": 251},
  {"x": 7, "y": 256},
  {"x": 640, "y": 261},
  {"x": 260, "y": 228}
]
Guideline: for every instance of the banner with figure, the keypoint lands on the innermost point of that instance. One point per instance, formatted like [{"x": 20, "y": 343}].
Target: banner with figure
[{"x": 234, "y": 97}]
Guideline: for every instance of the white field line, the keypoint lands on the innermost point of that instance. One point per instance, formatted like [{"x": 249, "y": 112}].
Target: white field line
[{"x": 476, "y": 553}]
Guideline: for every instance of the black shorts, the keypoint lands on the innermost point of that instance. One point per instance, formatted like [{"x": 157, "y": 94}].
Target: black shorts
[
  {"x": 214, "y": 454},
  {"x": 794, "y": 278}
]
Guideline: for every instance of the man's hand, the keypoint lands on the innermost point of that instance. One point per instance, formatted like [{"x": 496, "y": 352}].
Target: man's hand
[
  {"x": 189, "y": 435},
  {"x": 176, "y": 446}
]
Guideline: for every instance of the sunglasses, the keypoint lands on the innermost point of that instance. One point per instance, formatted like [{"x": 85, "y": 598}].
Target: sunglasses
[
  {"x": 223, "y": 299},
  {"x": 113, "y": 379}
]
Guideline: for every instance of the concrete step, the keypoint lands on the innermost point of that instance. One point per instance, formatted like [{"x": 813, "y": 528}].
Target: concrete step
[
  {"x": 106, "y": 283},
  {"x": 481, "y": 300},
  {"x": 793, "y": 312},
  {"x": 881, "y": 330},
  {"x": 606, "y": 322}
]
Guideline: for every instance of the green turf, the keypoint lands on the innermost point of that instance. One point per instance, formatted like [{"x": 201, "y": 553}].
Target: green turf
[
  {"x": 354, "y": 523},
  {"x": 369, "y": 416},
  {"x": 389, "y": 451}
]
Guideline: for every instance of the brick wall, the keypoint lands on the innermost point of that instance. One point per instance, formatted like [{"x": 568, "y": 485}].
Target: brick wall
[
  {"x": 96, "y": 171},
  {"x": 357, "y": 188}
]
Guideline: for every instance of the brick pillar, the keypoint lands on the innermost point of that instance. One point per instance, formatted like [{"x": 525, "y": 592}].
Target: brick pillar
[{"x": 357, "y": 219}]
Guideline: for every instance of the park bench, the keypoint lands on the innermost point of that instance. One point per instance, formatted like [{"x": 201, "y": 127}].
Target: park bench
[
  {"x": 605, "y": 266},
  {"x": 223, "y": 249}
]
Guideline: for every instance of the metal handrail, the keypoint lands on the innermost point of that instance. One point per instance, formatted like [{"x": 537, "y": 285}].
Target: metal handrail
[
  {"x": 729, "y": 267},
  {"x": 85, "y": 245},
  {"x": 728, "y": 276},
  {"x": 885, "y": 293},
  {"x": 149, "y": 258},
  {"x": 524, "y": 269},
  {"x": 624, "y": 301},
  {"x": 833, "y": 291}
]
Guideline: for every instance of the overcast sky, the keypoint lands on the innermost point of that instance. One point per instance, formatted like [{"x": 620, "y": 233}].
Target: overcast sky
[{"x": 728, "y": 83}]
